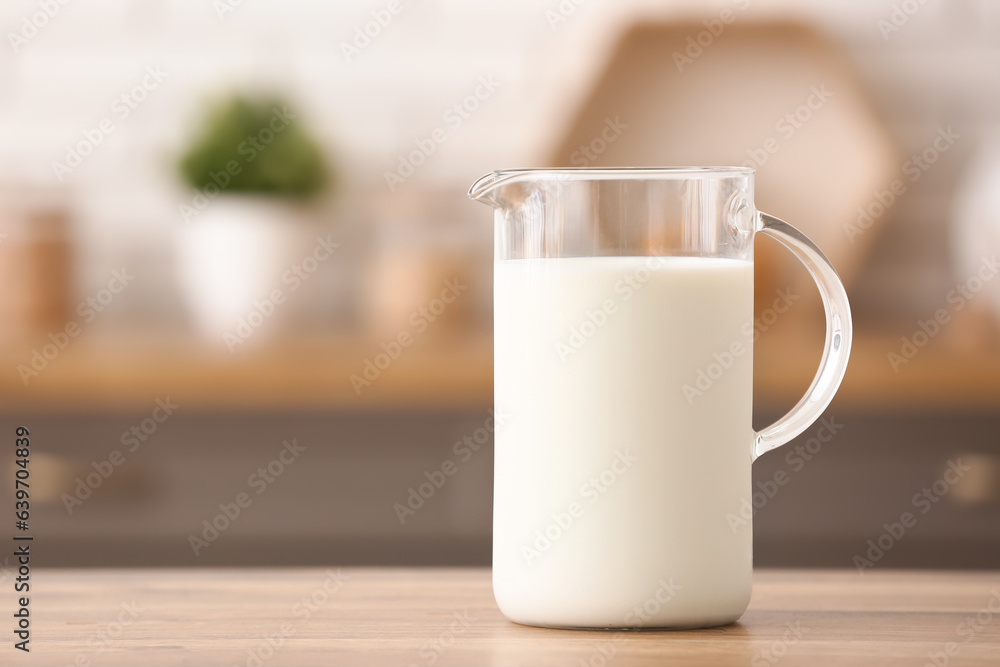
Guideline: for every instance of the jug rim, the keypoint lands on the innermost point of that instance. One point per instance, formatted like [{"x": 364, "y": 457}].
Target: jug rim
[
  {"x": 627, "y": 170},
  {"x": 499, "y": 177}
]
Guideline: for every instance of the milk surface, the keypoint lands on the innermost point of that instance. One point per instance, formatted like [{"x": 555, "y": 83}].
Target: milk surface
[{"x": 626, "y": 440}]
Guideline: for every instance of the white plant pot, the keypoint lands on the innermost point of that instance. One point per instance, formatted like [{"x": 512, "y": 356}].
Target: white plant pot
[{"x": 232, "y": 257}]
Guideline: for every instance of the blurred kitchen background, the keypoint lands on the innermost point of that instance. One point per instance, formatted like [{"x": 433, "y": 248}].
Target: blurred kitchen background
[{"x": 162, "y": 339}]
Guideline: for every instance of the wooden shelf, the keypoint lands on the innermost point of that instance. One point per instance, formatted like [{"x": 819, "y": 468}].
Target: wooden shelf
[
  {"x": 941, "y": 376},
  {"x": 304, "y": 374},
  {"x": 130, "y": 373}
]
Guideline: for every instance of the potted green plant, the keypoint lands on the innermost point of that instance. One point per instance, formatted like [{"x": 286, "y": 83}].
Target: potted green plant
[{"x": 255, "y": 175}]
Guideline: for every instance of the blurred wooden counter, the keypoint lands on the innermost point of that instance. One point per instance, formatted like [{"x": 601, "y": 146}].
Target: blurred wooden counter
[
  {"x": 130, "y": 373},
  {"x": 395, "y": 617}
]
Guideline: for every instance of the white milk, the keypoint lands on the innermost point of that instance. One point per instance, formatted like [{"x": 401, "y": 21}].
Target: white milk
[{"x": 613, "y": 485}]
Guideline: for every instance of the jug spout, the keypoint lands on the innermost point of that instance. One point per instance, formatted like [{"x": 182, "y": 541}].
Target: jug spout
[
  {"x": 485, "y": 189},
  {"x": 488, "y": 188}
]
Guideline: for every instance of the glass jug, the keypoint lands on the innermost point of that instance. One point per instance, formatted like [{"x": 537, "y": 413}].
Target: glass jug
[{"x": 623, "y": 304}]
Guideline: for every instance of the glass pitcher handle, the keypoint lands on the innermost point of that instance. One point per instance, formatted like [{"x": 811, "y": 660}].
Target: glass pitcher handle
[{"x": 836, "y": 349}]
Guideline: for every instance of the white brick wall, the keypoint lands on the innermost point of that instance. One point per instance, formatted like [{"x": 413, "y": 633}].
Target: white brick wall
[{"x": 940, "y": 68}]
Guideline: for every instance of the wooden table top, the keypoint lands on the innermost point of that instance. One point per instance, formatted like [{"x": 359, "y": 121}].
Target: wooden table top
[{"x": 368, "y": 616}]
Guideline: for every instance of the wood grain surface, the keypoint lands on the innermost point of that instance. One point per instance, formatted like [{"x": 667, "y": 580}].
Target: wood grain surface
[
  {"x": 129, "y": 373},
  {"x": 420, "y": 617}
]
